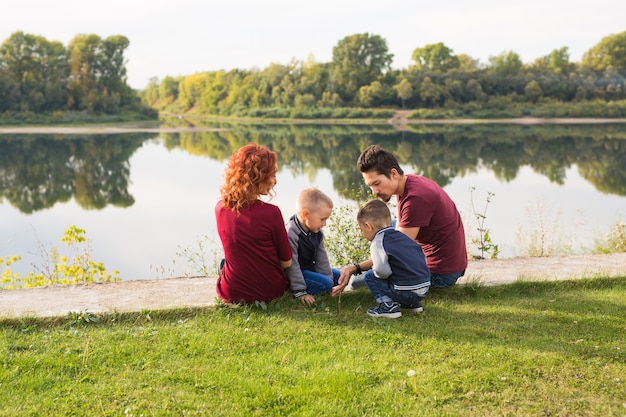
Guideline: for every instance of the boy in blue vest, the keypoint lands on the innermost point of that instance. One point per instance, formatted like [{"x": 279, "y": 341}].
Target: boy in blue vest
[
  {"x": 310, "y": 272},
  {"x": 399, "y": 278}
]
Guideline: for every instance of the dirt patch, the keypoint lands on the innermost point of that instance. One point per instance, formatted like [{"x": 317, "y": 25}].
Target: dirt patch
[{"x": 200, "y": 291}]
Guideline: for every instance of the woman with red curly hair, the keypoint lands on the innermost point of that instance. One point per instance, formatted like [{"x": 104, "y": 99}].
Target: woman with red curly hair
[{"x": 253, "y": 234}]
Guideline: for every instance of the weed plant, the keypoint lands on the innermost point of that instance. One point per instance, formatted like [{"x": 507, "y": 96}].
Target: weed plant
[
  {"x": 77, "y": 268},
  {"x": 197, "y": 257},
  {"x": 543, "y": 234},
  {"x": 523, "y": 349},
  {"x": 614, "y": 240},
  {"x": 483, "y": 242}
]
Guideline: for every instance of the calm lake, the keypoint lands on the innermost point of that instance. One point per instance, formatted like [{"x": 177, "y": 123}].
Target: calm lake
[{"x": 145, "y": 198}]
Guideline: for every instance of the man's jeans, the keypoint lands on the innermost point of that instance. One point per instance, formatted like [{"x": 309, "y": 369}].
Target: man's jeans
[{"x": 445, "y": 280}]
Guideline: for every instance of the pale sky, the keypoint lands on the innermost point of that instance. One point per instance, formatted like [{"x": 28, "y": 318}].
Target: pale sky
[{"x": 182, "y": 37}]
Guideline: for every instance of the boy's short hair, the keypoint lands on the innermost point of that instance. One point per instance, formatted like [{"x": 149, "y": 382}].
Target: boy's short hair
[
  {"x": 311, "y": 199},
  {"x": 376, "y": 212}
]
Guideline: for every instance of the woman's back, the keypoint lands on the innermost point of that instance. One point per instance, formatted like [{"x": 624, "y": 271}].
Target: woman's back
[{"x": 254, "y": 242}]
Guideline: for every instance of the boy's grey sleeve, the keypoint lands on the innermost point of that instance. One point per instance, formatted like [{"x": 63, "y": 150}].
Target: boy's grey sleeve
[
  {"x": 294, "y": 273},
  {"x": 380, "y": 261},
  {"x": 322, "y": 263}
]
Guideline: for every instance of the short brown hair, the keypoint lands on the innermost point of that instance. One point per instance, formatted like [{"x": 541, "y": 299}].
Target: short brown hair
[
  {"x": 376, "y": 212},
  {"x": 311, "y": 199}
]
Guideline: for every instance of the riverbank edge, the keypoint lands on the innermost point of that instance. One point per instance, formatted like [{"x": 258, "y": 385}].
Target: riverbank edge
[
  {"x": 398, "y": 121},
  {"x": 194, "y": 292}
]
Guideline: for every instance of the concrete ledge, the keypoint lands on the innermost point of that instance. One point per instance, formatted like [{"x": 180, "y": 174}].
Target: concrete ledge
[{"x": 200, "y": 291}]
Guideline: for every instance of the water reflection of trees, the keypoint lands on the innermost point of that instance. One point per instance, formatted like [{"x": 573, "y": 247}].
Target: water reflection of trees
[
  {"x": 37, "y": 171},
  {"x": 441, "y": 152}
]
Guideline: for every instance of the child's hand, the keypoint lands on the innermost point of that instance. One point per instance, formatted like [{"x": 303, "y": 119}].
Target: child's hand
[
  {"x": 307, "y": 299},
  {"x": 337, "y": 289}
]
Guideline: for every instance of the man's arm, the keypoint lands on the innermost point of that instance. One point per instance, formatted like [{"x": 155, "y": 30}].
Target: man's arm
[{"x": 410, "y": 231}]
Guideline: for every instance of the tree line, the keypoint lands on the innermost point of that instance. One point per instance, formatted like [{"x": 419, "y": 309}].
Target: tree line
[
  {"x": 42, "y": 76},
  {"x": 360, "y": 75},
  {"x": 89, "y": 74}
]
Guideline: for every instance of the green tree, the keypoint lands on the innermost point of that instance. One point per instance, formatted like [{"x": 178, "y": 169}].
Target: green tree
[
  {"x": 369, "y": 93},
  {"x": 507, "y": 63},
  {"x": 113, "y": 80},
  {"x": 98, "y": 73},
  {"x": 9, "y": 91},
  {"x": 559, "y": 61},
  {"x": 467, "y": 63},
  {"x": 84, "y": 72},
  {"x": 435, "y": 57},
  {"x": 533, "y": 91},
  {"x": 404, "y": 90},
  {"x": 430, "y": 92},
  {"x": 474, "y": 91},
  {"x": 38, "y": 68},
  {"x": 358, "y": 60},
  {"x": 168, "y": 90},
  {"x": 150, "y": 94},
  {"x": 314, "y": 78},
  {"x": 610, "y": 52}
]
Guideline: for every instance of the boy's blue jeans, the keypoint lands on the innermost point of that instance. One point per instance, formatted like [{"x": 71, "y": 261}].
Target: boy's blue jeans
[
  {"x": 317, "y": 283},
  {"x": 436, "y": 280},
  {"x": 383, "y": 291}
]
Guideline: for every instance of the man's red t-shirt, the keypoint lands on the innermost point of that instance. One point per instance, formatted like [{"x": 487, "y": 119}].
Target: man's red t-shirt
[
  {"x": 254, "y": 242},
  {"x": 426, "y": 205}
]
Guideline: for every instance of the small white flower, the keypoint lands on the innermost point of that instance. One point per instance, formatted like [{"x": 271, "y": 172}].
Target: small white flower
[{"x": 410, "y": 373}]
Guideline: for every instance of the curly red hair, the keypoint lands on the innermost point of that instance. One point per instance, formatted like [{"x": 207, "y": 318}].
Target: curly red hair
[{"x": 249, "y": 174}]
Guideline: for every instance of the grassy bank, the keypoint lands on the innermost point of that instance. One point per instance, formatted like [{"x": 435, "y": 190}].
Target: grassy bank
[
  {"x": 73, "y": 118},
  {"x": 524, "y": 349}
]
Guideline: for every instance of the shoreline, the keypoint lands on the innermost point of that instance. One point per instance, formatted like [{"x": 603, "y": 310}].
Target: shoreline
[
  {"x": 399, "y": 121},
  {"x": 197, "y": 292}
]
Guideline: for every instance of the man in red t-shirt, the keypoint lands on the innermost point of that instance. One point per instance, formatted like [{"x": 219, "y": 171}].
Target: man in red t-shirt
[{"x": 426, "y": 213}]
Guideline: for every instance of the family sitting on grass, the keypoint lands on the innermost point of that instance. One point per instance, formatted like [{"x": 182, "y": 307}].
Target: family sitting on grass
[{"x": 263, "y": 258}]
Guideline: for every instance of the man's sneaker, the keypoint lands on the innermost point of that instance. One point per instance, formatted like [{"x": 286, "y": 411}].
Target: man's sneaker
[
  {"x": 389, "y": 310},
  {"x": 413, "y": 308}
]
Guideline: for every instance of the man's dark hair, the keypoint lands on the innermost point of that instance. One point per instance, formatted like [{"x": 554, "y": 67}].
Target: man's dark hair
[{"x": 376, "y": 158}]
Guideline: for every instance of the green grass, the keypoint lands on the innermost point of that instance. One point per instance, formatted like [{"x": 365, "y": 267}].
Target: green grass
[{"x": 523, "y": 349}]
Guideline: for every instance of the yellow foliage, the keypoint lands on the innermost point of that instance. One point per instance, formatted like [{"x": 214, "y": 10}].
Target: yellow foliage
[{"x": 81, "y": 268}]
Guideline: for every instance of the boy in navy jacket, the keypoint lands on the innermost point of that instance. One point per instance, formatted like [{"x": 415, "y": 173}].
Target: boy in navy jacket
[{"x": 399, "y": 277}]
